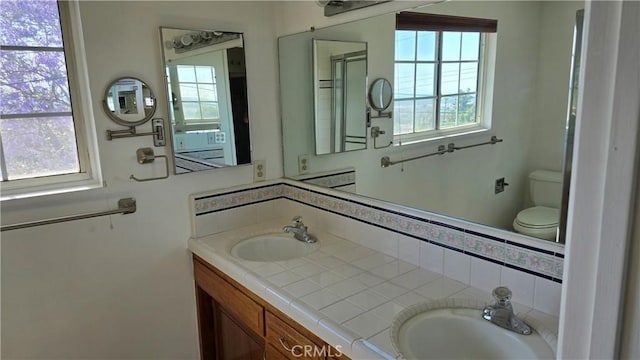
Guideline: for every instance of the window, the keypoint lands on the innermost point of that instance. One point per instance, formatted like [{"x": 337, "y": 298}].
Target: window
[
  {"x": 438, "y": 79},
  {"x": 199, "y": 99},
  {"x": 47, "y": 143}
]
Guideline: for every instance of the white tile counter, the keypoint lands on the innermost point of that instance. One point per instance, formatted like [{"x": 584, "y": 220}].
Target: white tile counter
[{"x": 345, "y": 293}]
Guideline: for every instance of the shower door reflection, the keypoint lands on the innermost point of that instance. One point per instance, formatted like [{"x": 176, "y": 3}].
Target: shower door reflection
[{"x": 340, "y": 71}]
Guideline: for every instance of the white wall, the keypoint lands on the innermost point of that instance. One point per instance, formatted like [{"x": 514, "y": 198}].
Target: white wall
[{"x": 121, "y": 287}]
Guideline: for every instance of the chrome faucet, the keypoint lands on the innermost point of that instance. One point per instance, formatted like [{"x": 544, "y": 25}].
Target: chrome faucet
[
  {"x": 501, "y": 313},
  {"x": 299, "y": 230}
]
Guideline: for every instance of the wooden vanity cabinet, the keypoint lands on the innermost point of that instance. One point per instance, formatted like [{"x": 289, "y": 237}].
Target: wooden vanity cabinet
[
  {"x": 230, "y": 323},
  {"x": 234, "y": 323}
]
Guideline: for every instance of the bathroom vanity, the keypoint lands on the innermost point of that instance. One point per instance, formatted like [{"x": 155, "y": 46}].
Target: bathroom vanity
[
  {"x": 337, "y": 300},
  {"x": 234, "y": 323}
]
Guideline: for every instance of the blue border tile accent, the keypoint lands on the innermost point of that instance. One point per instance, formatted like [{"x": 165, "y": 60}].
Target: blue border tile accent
[
  {"x": 447, "y": 226},
  {"x": 548, "y": 252},
  {"x": 234, "y": 192},
  {"x": 327, "y": 176},
  {"x": 388, "y": 228},
  {"x": 239, "y": 206},
  {"x": 490, "y": 237},
  {"x": 343, "y": 185}
]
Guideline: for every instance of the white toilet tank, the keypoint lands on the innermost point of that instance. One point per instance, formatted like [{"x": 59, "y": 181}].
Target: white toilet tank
[{"x": 545, "y": 188}]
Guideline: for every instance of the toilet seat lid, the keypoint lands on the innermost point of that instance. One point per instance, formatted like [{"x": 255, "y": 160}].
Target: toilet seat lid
[{"x": 538, "y": 217}]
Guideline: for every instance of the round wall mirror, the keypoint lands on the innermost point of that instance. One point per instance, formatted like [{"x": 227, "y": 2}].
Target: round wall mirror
[
  {"x": 380, "y": 94},
  {"x": 129, "y": 102}
]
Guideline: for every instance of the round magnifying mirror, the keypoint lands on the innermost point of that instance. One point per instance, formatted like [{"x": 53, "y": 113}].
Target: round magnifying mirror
[
  {"x": 380, "y": 94},
  {"x": 129, "y": 102}
]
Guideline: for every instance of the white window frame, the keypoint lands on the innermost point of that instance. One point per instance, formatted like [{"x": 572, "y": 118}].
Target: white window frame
[
  {"x": 196, "y": 83},
  {"x": 90, "y": 175},
  {"x": 484, "y": 100},
  {"x": 181, "y": 124}
]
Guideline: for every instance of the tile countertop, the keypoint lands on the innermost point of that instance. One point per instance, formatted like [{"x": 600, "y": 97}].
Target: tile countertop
[{"x": 345, "y": 293}]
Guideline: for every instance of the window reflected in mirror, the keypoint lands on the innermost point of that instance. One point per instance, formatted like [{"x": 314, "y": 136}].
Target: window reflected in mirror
[{"x": 441, "y": 64}]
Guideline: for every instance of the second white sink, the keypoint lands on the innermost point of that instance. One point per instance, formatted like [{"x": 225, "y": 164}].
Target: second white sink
[
  {"x": 272, "y": 247},
  {"x": 437, "y": 331}
]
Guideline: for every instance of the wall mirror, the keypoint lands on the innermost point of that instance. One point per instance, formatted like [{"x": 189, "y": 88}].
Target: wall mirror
[
  {"x": 339, "y": 95},
  {"x": 531, "y": 79},
  {"x": 380, "y": 94},
  {"x": 129, "y": 102},
  {"x": 206, "y": 86}
]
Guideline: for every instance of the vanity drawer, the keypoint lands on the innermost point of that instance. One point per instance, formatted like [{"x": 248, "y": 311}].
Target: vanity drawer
[
  {"x": 234, "y": 301},
  {"x": 289, "y": 341}
]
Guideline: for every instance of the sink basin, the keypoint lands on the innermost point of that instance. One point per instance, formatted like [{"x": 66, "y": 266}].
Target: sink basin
[
  {"x": 272, "y": 247},
  {"x": 437, "y": 330}
]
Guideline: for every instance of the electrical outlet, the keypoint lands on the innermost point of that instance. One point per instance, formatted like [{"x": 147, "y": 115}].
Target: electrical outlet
[
  {"x": 500, "y": 184},
  {"x": 303, "y": 164},
  {"x": 220, "y": 137},
  {"x": 259, "y": 170}
]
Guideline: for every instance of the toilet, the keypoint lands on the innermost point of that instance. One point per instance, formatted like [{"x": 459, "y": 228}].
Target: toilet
[{"x": 541, "y": 220}]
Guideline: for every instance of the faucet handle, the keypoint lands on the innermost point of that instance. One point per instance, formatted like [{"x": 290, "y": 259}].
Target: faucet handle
[{"x": 502, "y": 294}]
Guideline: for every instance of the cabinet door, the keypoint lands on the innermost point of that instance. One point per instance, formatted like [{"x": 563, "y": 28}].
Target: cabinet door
[
  {"x": 237, "y": 304},
  {"x": 206, "y": 326},
  {"x": 231, "y": 325},
  {"x": 233, "y": 342},
  {"x": 274, "y": 354}
]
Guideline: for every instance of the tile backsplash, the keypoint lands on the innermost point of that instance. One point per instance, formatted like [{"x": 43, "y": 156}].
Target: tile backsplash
[
  {"x": 344, "y": 180},
  {"x": 470, "y": 253}
]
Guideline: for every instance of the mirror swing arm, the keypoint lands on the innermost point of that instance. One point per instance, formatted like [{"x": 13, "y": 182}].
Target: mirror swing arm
[
  {"x": 380, "y": 97},
  {"x": 375, "y": 130},
  {"x": 157, "y": 133}
]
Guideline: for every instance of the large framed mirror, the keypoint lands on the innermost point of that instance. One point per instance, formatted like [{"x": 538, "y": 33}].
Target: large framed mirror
[
  {"x": 339, "y": 90},
  {"x": 529, "y": 76},
  {"x": 206, "y": 86}
]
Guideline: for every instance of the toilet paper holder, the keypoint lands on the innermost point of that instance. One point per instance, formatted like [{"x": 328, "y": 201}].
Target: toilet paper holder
[{"x": 146, "y": 156}]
